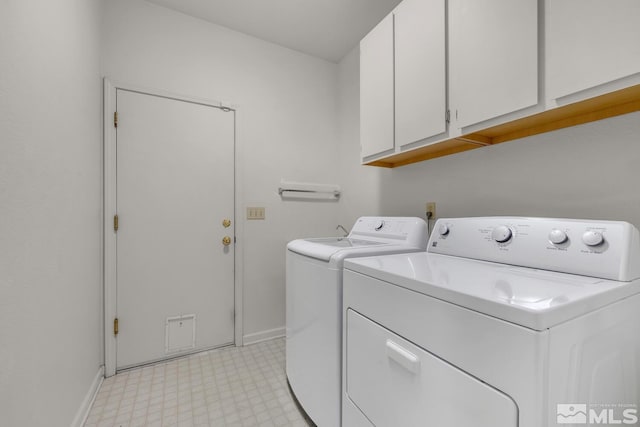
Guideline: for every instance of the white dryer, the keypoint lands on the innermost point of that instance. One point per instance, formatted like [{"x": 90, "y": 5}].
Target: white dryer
[
  {"x": 314, "y": 305},
  {"x": 503, "y": 322}
]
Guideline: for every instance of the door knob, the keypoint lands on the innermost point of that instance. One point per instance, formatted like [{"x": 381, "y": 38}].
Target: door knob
[
  {"x": 226, "y": 223},
  {"x": 226, "y": 240}
]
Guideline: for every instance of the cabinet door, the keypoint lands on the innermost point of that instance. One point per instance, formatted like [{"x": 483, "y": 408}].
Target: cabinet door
[
  {"x": 589, "y": 43},
  {"x": 493, "y": 58},
  {"x": 420, "y": 80},
  {"x": 376, "y": 89}
]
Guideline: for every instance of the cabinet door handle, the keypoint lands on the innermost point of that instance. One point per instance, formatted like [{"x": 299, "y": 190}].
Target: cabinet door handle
[{"x": 403, "y": 357}]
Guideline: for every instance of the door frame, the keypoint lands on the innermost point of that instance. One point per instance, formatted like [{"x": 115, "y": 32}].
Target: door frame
[{"x": 109, "y": 210}]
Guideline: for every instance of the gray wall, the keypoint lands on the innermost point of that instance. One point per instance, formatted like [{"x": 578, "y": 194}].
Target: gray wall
[{"x": 50, "y": 209}]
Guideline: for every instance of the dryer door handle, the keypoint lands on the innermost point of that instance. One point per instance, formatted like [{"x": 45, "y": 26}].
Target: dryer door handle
[{"x": 403, "y": 357}]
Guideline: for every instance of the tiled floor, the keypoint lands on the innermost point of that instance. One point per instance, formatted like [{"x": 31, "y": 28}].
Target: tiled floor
[{"x": 234, "y": 386}]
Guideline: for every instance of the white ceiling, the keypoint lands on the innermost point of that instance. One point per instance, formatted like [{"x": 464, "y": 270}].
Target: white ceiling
[{"x": 327, "y": 29}]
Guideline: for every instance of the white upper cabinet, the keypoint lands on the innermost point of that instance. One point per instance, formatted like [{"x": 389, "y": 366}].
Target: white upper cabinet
[
  {"x": 493, "y": 58},
  {"x": 376, "y": 89},
  {"x": 591, "y": 43},
  {"x": 438, "y": 77},
  {"x": 420, "y": 70},
  {"x": 403, "y": 79}
]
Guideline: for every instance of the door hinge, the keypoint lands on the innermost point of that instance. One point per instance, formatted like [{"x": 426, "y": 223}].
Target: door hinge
[
  {"x": 115, "y": 326},
  {"x": 115, "y": 223},
  {"x": 115, "y": 119},
  {"x": 447, "y": 116}
]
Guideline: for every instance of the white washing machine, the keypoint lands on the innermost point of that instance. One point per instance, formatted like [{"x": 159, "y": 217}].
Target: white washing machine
[
  {"x": 503, "y": 322},
  {"x": 314, "y": 305}
]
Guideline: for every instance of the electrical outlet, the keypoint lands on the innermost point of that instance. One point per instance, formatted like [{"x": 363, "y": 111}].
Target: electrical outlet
[
  {"x": 255, "y": 213},
  {"x": 431, "y": 210}
]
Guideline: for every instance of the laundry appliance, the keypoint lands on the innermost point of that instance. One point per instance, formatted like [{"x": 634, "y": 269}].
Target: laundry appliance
[
  {"x": 503, "y": 322},
  {"x": 314, "y": 305}
]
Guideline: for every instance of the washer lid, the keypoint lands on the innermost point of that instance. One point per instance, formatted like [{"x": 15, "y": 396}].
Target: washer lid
[
  {"x": 325, "y": 247},
  {"x": 343, "y": 242},
  {"x": 369, "y": 236},
  {"x": 537, "y": 299}
]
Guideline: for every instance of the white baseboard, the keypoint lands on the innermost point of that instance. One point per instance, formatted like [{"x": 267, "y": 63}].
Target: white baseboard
[
  {"x": 85, "y": 407},
  {"x": 257, "y": 337}
]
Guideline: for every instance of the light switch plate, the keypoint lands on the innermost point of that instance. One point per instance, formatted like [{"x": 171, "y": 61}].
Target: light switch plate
[{"x": 255, "y": 213}]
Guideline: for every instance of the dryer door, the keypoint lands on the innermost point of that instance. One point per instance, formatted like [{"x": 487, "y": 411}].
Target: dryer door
[{"x": 395, "y": 383}]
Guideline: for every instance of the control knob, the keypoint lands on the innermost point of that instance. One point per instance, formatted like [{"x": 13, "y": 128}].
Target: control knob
[
  {"x": 378, "y": 225},
  {"x": 592, "y": 238},
  {"x": 501, "y": 234},
  {"x": 443, "y": 229},
  {"x": 557, "y": 236}
]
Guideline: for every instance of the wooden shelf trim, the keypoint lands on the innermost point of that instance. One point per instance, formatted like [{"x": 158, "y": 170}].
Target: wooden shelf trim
[{"x": 602, "y": 107}]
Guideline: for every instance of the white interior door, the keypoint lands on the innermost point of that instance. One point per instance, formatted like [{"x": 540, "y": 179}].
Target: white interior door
[{"x": 175, "y": 187}]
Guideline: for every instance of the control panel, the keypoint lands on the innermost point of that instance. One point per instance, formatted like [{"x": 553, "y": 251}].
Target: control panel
[
  {"x": 606, "y": 249},
  {"x": 404, "y": 230}
]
